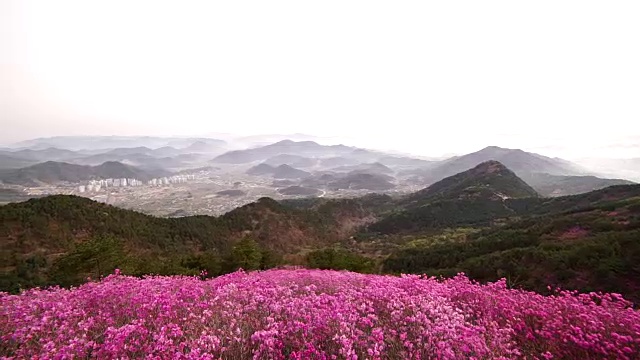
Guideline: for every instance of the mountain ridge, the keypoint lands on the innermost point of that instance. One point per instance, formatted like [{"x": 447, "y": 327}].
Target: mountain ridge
[
  {"x": 571, "y": 177},
  {"x": 300, "y": 148},
  {"x": 516, "y": 160},
  {"x": 52, "y": 172}
]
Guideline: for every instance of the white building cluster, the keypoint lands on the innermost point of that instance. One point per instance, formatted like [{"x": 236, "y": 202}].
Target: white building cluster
[
  {"x": 98, "y": 185},
  {"x": 176, "y": 179}
]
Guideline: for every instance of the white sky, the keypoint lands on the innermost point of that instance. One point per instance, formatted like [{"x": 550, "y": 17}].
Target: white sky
[{"x": 558, "y": 77}]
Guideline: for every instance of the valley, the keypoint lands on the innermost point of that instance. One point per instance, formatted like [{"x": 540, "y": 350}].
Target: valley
[
  {"x": 211, "y": 178},
  {"x": 208, "y": 192}
]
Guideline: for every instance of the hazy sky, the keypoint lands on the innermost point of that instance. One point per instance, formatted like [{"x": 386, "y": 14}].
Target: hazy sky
[{"x": 428, "y": 77}]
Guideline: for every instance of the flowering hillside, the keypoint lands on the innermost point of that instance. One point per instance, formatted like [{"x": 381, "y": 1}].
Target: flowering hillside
[{"x": 312, "y": 314}]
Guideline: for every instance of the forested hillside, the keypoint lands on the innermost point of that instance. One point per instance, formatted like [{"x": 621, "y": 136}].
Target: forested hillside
[
  {"x": 62, "y": 239},
  {"x": 591, "y": 246}
]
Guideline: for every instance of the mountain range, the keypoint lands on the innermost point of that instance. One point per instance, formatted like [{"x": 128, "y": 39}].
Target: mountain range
[
  {"x": 302, "y": 148},
  {"x": 515, "y": 159},
  {"x": 485, "y": 220},
  {"x": 56, "y": 172},
  {"x": 79, "y": 143},
  {"x": 548, "y": 176},
  {"x": 296, "y": 160}
]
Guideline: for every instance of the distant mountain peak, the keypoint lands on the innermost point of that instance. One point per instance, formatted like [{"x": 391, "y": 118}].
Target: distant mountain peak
[
  {"x": 301, "y": 148},
  {"x": 493, "y": 147},
  {"x": 516, "y": 160},
  {"x": 498, "y": 150},
  {"x": 285, "y": 141},
  {"x": 261, "y": 169}
]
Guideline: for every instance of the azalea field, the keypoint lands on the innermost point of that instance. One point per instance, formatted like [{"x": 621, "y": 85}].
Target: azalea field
[{"x": 313, "y": 314}]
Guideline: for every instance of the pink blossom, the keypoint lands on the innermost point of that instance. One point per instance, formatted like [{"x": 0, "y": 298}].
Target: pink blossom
[{"x": 303, "y": 314}]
